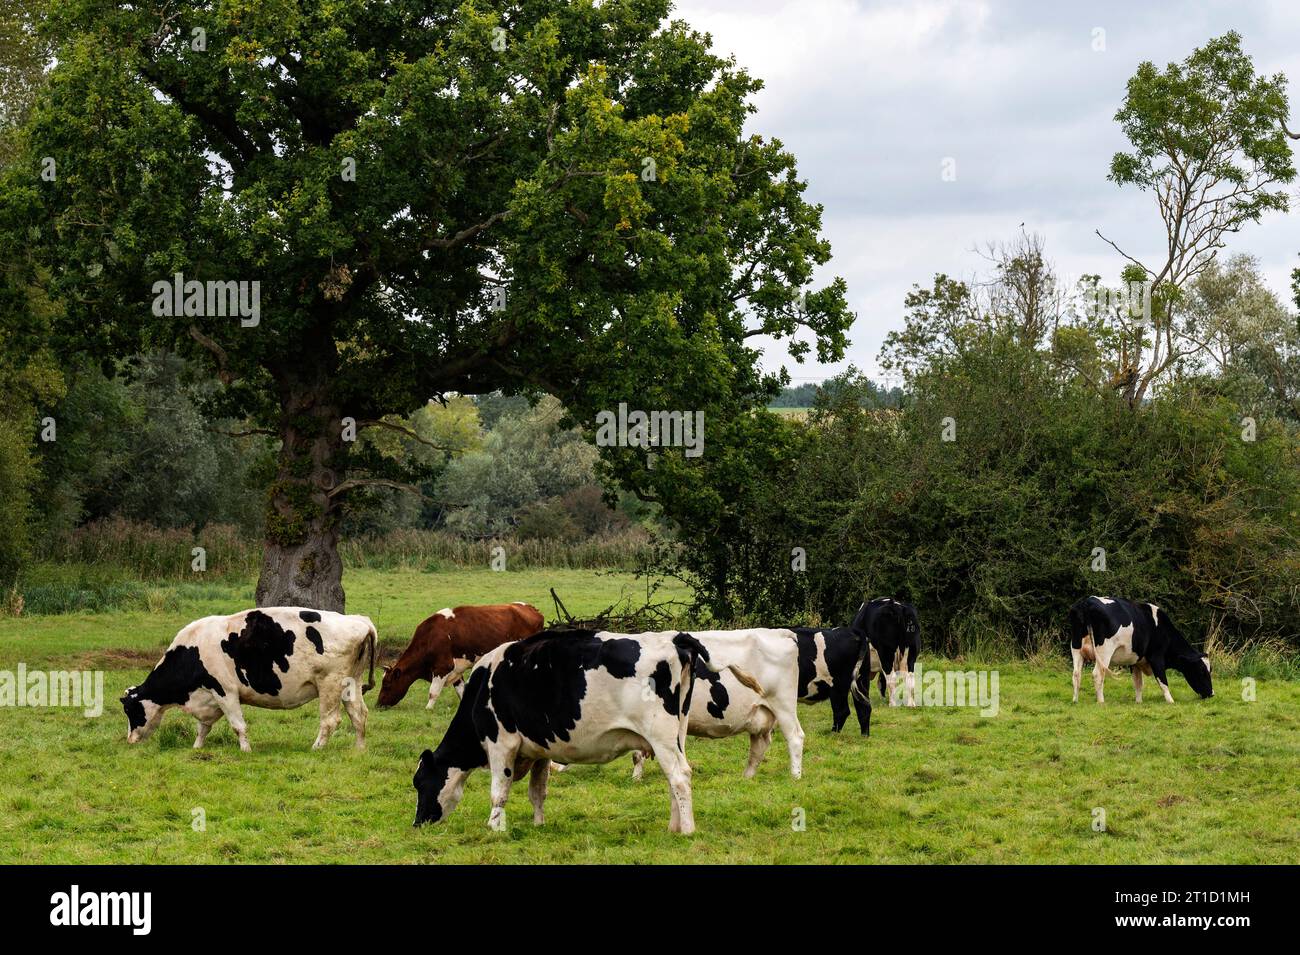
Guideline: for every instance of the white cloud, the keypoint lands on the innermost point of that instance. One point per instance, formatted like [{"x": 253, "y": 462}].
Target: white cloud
[{"x": 872, "y": 96}]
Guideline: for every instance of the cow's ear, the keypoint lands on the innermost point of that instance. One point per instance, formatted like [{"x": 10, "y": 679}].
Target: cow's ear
[{"x": 426, "y": 755}]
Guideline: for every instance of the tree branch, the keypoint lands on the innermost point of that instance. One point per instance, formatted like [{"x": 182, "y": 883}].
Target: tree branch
[
  {"x": 465, "y": 234},
  {"x": 218, "y": 352},
  {"x": 400, "y": 429},
  {"x": 353, "y": 483},
  {"x": 248, "y": 433}
]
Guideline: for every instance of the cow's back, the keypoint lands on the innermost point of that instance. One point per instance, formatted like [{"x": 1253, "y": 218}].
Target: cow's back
[
  {"x": 277, "y": 655},
  {"x": 580, "y": 696}
]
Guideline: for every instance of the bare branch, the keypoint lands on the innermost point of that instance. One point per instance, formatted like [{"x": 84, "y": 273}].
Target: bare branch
[{"x": 1122, "y": 252}]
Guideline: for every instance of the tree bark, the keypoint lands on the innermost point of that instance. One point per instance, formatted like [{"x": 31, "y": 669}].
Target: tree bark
[{"x": 300, "y": 560}]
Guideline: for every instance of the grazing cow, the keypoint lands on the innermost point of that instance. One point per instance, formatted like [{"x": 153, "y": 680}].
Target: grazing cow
[
  {"x": 830, "y": 659},
  {"x": 576, "y": 696},
  {"x": 274, "y": 657},
  {"x": 721, "y": 705},
  {"x": 447, "y": 644},
  {"x": 1114, "y": 632}
]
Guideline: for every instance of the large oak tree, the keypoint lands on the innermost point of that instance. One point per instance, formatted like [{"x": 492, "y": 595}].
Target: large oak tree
[{"x": 435, "y": 197}]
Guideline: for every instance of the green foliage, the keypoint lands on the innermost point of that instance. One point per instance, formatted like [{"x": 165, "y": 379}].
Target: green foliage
[
  {"x": 808, "y": 394},
  {"x": 993, "y": 533},
  {"x": 16, "y": 475},
  {"x": 1211, "y": 116},
  {"x": 595, "y": 166},
  {"x": 136, "y": 445},
  {"x": 528, "y": 461}
]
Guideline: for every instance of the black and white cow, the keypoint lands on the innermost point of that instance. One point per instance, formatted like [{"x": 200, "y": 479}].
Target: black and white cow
[
  {"x": 274, "y": 657},
  {"x": 722, "y": 706},
  {"x": 575, "y": 696},
  {"x": 885, "y": 632},
  {"x": 1114, "y": 632}
]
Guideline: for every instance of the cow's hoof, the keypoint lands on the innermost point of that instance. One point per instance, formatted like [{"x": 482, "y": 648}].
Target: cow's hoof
[{"x": 431, "y": 704}]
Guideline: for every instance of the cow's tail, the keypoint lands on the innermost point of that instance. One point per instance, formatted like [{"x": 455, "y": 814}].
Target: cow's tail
[
  {"x": 370, "y": 643},
  {"x": 692, "y": 647},
  {"x": 861, "y": 687},
  {"x": 1081, "y": 638}
]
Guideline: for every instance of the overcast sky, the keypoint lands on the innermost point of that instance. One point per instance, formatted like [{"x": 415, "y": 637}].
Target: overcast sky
[{"x": 871, "y": 97}]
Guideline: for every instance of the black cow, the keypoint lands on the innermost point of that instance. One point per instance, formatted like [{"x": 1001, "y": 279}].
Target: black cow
[
  {"x": 830, "y": 659},
  {"x": 575, "y": 696},
  {"x": 1110, "y": 631}
]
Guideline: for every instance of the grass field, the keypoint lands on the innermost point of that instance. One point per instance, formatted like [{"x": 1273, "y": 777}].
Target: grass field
[{"x": 1200, "y": 781}]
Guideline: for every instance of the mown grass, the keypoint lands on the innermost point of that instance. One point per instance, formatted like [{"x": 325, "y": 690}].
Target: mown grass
[{"x": 1199, "y": 781}]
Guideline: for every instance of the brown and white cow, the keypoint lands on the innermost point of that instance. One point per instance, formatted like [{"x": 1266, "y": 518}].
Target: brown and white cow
[{"x": 447, "y": 644}]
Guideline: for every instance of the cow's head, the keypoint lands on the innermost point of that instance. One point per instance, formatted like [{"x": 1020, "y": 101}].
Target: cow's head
[
  {"x": 438, "y": 788},
  {"x": 1196, "y": 668},
  {"x": 415, "y": 663},
  {"x": 142, "y": 715},
  {"x": 395, "y": 684}
]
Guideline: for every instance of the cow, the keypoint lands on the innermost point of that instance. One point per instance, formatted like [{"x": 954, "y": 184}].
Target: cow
[
  {"x": 721, "y": 705},
  {"x": 1110, "y": 631},
  {"x": 447, "y": 644},
  {"x": 895, "y": 633},
  {"x": 576, "y": 696},
  {"x": 273, "y": 657},
  {"x": 831, "y": 658}
]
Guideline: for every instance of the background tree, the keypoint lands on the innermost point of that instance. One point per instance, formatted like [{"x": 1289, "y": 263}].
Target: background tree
[
  {"x": 547, "y": 195},
  {"x": 1207, "y": 140}
]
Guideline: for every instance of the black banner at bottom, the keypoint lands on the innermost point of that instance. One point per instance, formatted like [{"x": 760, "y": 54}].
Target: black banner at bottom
[{"x": 336, "y": 903}]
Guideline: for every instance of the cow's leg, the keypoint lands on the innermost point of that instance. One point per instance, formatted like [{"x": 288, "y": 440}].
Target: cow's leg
[
  {"x": 909, "y": 668},
  {"x": 436, "y": 683},
  {"x": 758, "y": 744},
  {"x": 205, "y": 727},
  {"x": 788, "y": 720},
  {"x": 235, "y": 714},
  {"x": 1158, "y": 671},
  {"x": 537, "y": 788},
  {"x": 1099, "y": 667},
  {"x": 355, "y": 705},
  {"x": 839, "y": 709},
  {"x": 891, "y": 683},
  {"x": 501, "y": 762},
  {"x": 1137, "y": 682},
  {"x": 331, "y": 695},
  {"x": 673, "y": 762},
  {"x": 862, "y": 706},
  {"x": 638, "y": 764},
  {"x": 1076, "y": 656}
]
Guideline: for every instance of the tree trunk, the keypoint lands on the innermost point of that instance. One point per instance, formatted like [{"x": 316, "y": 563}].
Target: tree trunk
[{"x": 300, "y": 559}]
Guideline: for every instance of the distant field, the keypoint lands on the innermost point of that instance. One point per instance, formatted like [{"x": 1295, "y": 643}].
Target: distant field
[
  {"x": 1199, "y": 781},
  {"x": 792, "y": 412}
]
